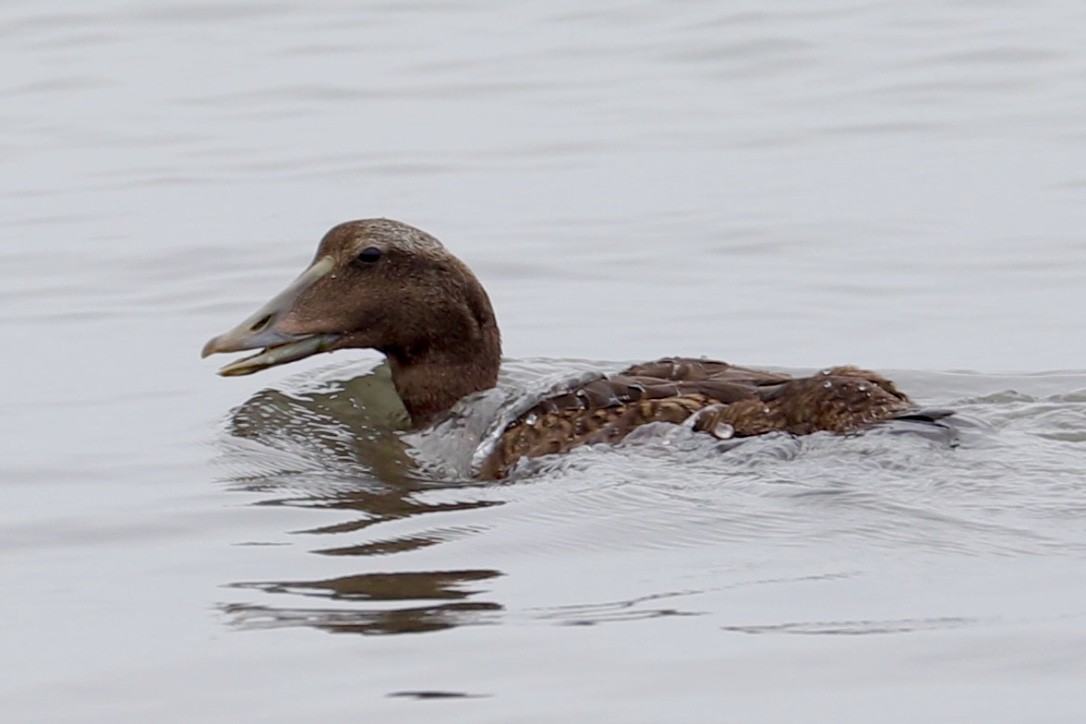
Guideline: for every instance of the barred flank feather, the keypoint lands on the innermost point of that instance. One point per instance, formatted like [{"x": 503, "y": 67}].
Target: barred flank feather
[{"x": 715, "y": 397}]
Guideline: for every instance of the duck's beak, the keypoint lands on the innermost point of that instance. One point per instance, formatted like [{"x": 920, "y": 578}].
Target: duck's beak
[{"x": 262, "y": 330}]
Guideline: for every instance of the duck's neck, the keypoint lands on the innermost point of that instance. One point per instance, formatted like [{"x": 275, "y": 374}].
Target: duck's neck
[{"x": 429, "y": 381}]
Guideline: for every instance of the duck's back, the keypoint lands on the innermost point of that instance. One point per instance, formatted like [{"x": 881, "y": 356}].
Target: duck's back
[{"x": 714, "y": 397}]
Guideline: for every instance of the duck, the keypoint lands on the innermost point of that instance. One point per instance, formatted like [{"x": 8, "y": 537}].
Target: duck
[{"x": 385, "y": 285}]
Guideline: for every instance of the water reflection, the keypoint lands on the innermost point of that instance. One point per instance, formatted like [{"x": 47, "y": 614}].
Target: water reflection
[
  {"x": 445, "y": 586},
  {"x": 858, "y": 628},
  {"x": 639, "y": 608},
  {"x": 336, "y": 446}
]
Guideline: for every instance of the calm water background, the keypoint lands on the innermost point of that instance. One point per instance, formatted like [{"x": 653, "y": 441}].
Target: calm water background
[{"x": 897, "y": 185}]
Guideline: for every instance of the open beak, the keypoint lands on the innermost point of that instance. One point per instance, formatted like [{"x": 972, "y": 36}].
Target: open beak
[{"x": 261, "y": 330}]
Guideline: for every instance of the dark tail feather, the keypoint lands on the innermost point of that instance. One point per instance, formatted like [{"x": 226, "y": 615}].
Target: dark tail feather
[
  {"x": 935, "y": 423},
  {"x": 933, "y": 415}
]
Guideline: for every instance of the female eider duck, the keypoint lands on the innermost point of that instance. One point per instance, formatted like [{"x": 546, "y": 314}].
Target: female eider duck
[{"x": 384, "y": 285}]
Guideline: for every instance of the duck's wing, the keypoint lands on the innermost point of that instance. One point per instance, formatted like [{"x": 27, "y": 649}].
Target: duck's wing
[
  {"x": 687, "y": 369},
  {"x": 604, "y": 410},
  {"x": 715, "y": 397}
]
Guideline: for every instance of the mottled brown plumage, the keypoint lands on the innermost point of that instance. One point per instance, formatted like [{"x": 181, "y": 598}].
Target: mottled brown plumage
[
  {"x": 388, "y": 286},
  {"x": 714, "y": 397}
]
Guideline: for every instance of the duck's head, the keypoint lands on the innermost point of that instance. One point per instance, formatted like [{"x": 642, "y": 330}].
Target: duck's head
[{"x": 384, "y": 285}]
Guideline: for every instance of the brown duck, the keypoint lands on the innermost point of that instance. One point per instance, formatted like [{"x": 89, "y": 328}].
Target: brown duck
[{"x": 384, "y": 285}]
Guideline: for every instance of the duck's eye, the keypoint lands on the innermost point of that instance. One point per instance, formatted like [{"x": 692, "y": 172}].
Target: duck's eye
[{"x": 369, "y": 255}]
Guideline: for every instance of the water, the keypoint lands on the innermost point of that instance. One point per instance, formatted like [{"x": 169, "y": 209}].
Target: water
[{"x": 894, "y": 185}]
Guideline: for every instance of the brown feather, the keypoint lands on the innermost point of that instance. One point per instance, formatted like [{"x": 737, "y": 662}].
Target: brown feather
[{"x": 726, "y": 400}]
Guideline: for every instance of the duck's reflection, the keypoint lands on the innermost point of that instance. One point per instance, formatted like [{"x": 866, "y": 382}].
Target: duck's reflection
[
  {"x": 449, "y": 587},
  {"x": 337, "y": 448}
]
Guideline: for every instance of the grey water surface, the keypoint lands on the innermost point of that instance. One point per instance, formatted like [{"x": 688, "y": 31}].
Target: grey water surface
[{"x": 896, "y": 185}]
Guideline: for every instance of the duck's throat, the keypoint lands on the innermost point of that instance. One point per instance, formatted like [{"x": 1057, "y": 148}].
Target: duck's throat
[{"x": 431, "y": 382}]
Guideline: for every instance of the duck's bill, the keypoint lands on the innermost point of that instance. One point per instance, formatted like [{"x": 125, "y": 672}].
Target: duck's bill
[
  {"x": 263, "y": 330},
  {"x": 278, "y": 355}
]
